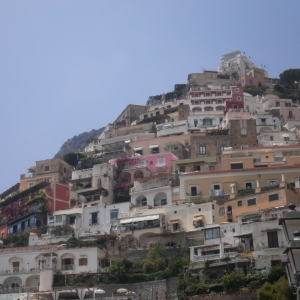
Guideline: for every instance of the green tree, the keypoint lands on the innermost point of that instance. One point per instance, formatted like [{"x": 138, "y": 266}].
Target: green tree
[
  {"x": 233, "y": 281},
  {"x": 157, "y": 251},
  {"x": 71, "y": 158},
  {"x": 40, "y": 199},
  {"x": 288, "y": 78},
  {"x": 120, "y": 269},
  {"x": 278, "y": 291}
]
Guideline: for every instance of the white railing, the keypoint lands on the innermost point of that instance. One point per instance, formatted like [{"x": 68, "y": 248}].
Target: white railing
[{"x": 67, "y": 267}]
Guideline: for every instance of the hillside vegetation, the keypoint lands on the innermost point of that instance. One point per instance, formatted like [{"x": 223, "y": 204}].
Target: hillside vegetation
[{"x": 77, "y": 142}]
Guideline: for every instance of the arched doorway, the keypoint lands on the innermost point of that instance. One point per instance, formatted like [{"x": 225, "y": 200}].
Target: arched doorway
[{"x": 160, "y": 199}]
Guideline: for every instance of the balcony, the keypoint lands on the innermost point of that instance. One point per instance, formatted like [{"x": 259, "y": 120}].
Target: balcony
[
  {"x": 202, "y": 153},
  {"x": 67, "y": 267},
  {"x": 270, "y": 245}
]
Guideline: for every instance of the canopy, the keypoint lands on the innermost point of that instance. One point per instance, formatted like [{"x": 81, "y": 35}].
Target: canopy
[
  {"x": 174, "y": 221},
  {"x": 126, "y": 221},
  {"x": 99, "y": 291},
  {"x": 152, "y": 217},
  {"x": 153, "y": 146},
  {"x": 121, "y": 290},
  {"x": 198, "y": 218}
]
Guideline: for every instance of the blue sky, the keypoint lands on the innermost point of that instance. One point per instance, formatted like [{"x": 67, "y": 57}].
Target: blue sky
[{"x": 72, "y": 66}]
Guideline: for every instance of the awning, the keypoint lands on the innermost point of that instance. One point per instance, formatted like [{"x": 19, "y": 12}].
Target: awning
[
  {"x": 152, "y": 217},
  {"x": 138, "y": 219},
  {"x": 198, "y": 218},
  {"x": 243, "y": 235},
  {"x": 285, "y": 135},
  {"x": 137, "y": 148},
  {"x": 271, "y": 229},
  {"x": 127, "y": 141},
  {"x": 126, "y": 221},
  {"x": 153, "y": 146},
  {"x": 174, "y": 221}
]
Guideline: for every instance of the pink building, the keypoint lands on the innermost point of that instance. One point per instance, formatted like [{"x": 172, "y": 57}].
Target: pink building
[
  {"x": 216, "y": 98},
  {"x": 130, "y": 169},
  {"x": 255, "y": 77}
]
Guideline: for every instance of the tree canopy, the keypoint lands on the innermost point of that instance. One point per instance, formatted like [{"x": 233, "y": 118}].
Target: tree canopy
[{"x": 289, "y": 77}]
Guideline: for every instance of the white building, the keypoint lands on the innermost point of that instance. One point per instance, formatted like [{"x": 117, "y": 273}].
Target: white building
[{"x": 34, "y": 266}]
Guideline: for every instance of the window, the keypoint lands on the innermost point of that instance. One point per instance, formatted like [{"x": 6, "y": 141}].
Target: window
[
  {"x": 273, "y": 197},
  {"x": 213, "y": 233},
  {"x": 157, "y": 113},
  {"x": 271, "y": 138},
  {"x": 47, "y": 168},
  {"x": 51, "y": 219},
  {"x": 142, "y": 163},
  {"x": 182, "y": 169},
  {"x": 196, "y": 95},
  {"x": 196, "y": 102},
  {"x": 277, "y": 104},
  {"x": 195, "y": 123},
  {"x": 58, "y": 219},
  {"x": 234, "y": 166},
  {"x": 83, "y": 261},
  {"x": 251, "y": 202},
  {"x": 290, "y": 114},
  {"x": 163, "y": 201},
  {"x": 65, "y": 170},
  {"x": 228, "y": 93},
  {"x": 30, "y": 184},
  {"x": 144, "y": 201},
  {"x": 287, "y": 104},
  {"x": 220, "y": 101},
  {"x": 202, "y": 150},
  {"x": 249, "y": 185},
  {"x": 263, "y": 121},
  {"x": 237, "y": 90},
  {"x": 273, "y": 239},
  {"x": 161, "y": 161},
  {"x": 218, "y": 94},
  {"x": 207, "y": 95},
  {"x": 193, "y": 191},
  {"x": 214, "y": 219},
  {"x": 238, "y": 98},
  {"x": 155, "y": 150},
  {"x": 207, "y": 121},
  {"x": 211, "y": 168},
  {"x": 240, "y": 203},
  {"x": 273, "y": 182},
  {"x": 212, "y": 206},
  {"x": 286, "y": 138},
  {"x": 222, "y": 211},
  {"x": 243, "y": 131},
  {"x": 145, "y": 116},
  {"x": 114, "y": 214},
  {"x": 94, "y": 218}
]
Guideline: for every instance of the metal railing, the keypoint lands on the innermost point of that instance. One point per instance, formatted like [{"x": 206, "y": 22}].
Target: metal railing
[
  {"x": 67, "y": 267},
  {"x": 271, "y": 245}
]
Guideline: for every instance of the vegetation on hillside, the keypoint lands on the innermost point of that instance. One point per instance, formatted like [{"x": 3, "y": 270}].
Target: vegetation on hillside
[{"x": 77, "y": 142}]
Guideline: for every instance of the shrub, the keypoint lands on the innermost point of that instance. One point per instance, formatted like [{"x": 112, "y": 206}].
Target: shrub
[{"x": 233, "y": 281}]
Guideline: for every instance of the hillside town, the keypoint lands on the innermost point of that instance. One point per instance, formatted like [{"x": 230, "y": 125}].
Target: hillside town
[{"x": 208, "y": 168}]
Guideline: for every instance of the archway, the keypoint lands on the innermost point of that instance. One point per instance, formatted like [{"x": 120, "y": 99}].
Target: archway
[
  {"x": 141, "y": 200},
  {"x": 160, "y": 199},
  {"x": 138, "y": 174},
  {"x": 125, "y": 178},
  {"x": 32, "y": 280},
  {"x": 196, "y": 109},
  {"x": 12, "y": 282}
]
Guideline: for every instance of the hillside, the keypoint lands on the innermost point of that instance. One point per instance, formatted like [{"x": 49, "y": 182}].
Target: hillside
[{"x": 77, "y": 142}]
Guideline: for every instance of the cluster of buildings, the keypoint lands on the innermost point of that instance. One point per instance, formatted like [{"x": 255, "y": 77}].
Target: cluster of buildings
[{"x": 206, "y": 166}]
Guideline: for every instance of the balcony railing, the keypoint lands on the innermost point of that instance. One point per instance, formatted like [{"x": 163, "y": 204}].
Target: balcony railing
[
  {"x": 271, "y": 245},
  {"x": 67, "y": 267}
]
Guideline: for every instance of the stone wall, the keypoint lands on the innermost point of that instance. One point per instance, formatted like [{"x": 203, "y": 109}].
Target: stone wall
[
  {"x": 222, "y": 296},
  {"x": 148, "y": 290},
  {"x": 142, "y": 254}
]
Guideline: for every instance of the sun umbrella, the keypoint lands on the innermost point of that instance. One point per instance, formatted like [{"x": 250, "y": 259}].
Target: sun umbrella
[
  {"x": 130, "y": 293},
  {"x": 121, "y": 290},
  {"x": 99, "y": 291}
]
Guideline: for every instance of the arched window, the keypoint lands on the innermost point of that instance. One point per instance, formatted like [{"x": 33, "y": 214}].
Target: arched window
[{"x": 222, "y": 211}]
